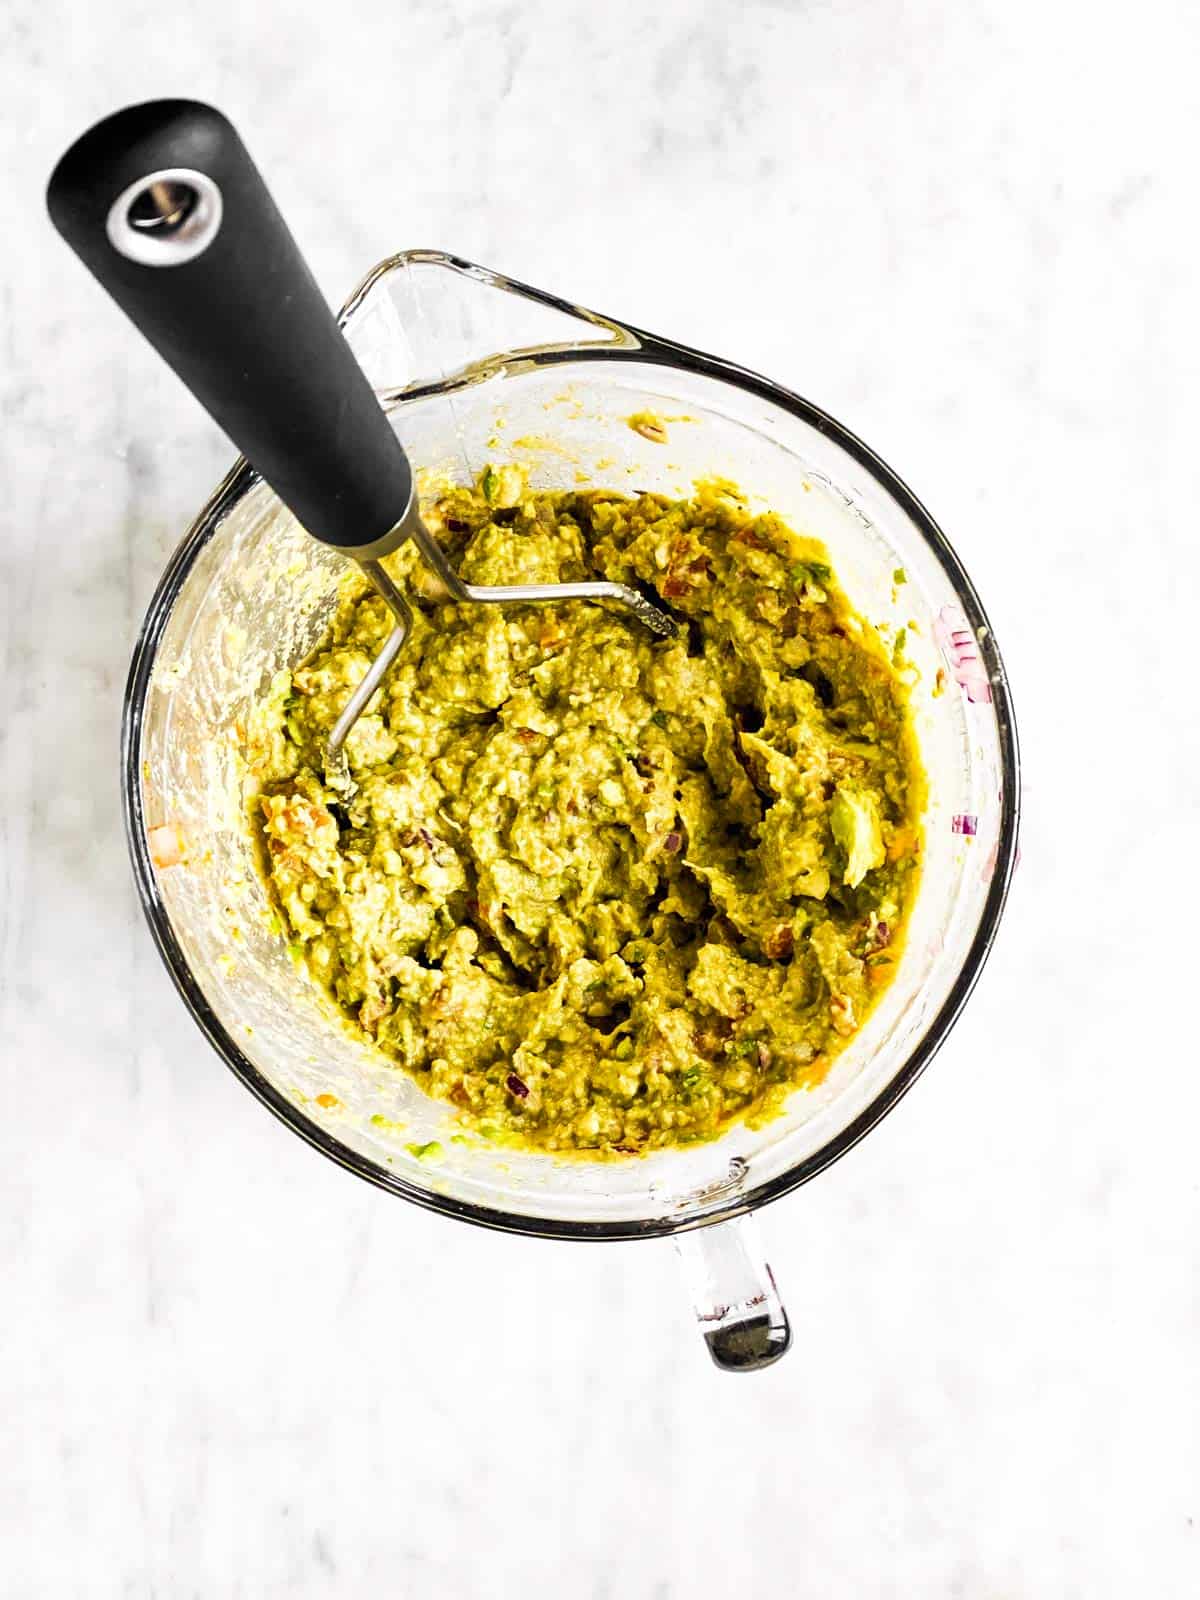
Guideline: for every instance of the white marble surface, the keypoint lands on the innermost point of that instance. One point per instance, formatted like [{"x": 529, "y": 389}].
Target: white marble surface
[{"x": 230, "y": 1369}]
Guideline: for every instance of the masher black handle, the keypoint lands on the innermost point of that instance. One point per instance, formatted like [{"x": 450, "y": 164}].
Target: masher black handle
[{"x": 166, "y": 208}]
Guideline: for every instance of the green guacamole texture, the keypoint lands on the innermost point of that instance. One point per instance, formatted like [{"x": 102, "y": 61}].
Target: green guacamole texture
[{"x": 599, "y": 892}]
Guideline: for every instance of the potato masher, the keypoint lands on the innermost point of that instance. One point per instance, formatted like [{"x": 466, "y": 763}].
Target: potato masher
[{"x": 164, "y": 205}]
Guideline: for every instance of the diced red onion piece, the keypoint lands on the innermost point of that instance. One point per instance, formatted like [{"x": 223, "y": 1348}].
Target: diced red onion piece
[{"x": 962, "y": 652}]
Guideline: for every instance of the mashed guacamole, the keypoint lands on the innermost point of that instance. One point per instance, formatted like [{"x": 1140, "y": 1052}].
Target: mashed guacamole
[{"x": 602, "y": 893}]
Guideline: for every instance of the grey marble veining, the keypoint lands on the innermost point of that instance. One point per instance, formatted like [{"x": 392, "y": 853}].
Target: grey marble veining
[{"x": 231, "y": 1370}]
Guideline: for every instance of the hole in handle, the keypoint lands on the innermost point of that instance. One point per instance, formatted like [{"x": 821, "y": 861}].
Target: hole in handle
[
  {"x": 165, "y": 218},
  {"x": 163, "y": 206}
]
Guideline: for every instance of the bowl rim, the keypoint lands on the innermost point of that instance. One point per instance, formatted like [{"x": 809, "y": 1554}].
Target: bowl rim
[{"x": 635, "y": 344}]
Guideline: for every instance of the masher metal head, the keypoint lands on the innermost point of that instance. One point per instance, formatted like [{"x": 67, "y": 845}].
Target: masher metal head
[
  {"x": 434, "y": 557},
  {"x": 164, "y": 205}
]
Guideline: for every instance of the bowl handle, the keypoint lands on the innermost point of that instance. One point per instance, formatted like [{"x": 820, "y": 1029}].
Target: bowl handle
[{"x": 733, "y": 1294}]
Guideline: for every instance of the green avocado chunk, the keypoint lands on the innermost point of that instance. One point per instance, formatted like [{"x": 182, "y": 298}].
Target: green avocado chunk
[{"x": 855, "y": 823}]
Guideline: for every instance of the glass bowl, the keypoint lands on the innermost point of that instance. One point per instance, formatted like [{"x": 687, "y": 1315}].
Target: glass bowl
[{"x": 473, "y": 367}]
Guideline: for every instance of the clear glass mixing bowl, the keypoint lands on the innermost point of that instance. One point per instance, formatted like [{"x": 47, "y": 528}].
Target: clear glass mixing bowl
[{"x": 473, "y": 367}]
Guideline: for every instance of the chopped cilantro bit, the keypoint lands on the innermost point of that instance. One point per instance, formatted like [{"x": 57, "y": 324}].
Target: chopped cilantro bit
[{"x": 811, "y": 572}]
